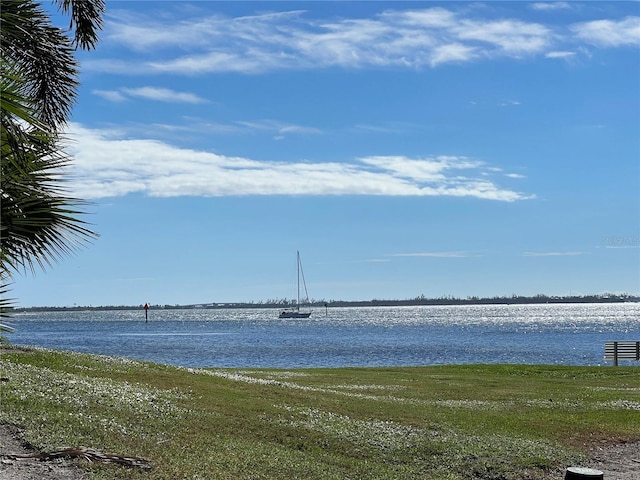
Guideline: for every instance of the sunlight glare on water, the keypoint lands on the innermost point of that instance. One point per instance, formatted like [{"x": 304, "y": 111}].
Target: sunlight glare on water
[{"x": 571, "y": 334}]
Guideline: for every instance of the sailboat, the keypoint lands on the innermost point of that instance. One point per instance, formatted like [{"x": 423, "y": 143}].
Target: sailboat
[{"x": 295, "y": 312}]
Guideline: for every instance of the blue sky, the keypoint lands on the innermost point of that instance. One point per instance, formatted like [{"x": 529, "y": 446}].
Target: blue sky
[{"x": 405, "y": 148}]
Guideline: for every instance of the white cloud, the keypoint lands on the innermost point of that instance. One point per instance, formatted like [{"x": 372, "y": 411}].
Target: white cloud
[
  {"x": 511, "y": 37},
  {"x": 108, "y": 165},
  {"x": 550, "y": 6},
  {"x": 560, "y": 54},
  {"x": 149, "y": 93},
  {"x": 610, "y": 33},
  {"x": 436, "y": 18},
  {"x": 427, "y": 170},
  {"x": 293, "y": 40},
  {"x": 452, "y": 53}
]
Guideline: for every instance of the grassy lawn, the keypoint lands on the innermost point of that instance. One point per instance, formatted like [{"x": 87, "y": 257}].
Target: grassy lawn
[{"x": 441, "y": 422}]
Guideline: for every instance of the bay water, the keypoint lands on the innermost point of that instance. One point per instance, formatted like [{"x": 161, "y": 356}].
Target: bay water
[{"x": 563, "y": 334}]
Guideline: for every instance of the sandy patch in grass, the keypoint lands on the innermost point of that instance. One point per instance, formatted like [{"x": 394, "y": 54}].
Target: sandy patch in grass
[
  {"x": 31, "y": 468},
  {"x": 618, "y": 462}
]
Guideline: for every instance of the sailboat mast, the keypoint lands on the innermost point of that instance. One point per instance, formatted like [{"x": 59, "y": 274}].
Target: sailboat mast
[{"x": 298, "y": 269}]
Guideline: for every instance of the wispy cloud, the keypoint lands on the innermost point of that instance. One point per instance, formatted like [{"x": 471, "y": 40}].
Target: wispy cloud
[
  {"x": 150, "y": 93},
  {"x": 552, "y": 254},
  {"x": 200, "y": 126},
  {"x": 110, "y": 95},
  {"x": 610, "y": 33},
  {"x": 435, "y": 254},
  {"x": 509, "y": 103},
  {"x": 107, "y": 164},
  {"x": 391, "y": 127},
  {"x": 163, "y": 95},
  {"x": 560, "y": 54},
  {"x": 415, "y": 38},
  {"x": 278, "y": 128}
]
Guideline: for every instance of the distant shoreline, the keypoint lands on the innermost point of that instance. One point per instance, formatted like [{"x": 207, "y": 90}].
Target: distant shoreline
[{"x": 418, "y": 301}]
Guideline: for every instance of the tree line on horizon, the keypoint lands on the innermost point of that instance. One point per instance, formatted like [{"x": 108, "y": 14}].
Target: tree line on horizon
[{"x": 416, "y": 301}]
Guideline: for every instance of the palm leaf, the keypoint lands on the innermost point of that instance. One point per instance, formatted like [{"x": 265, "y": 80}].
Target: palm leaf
[
  {"x": 42, "y": 55},
  {"x": 86, "y": 19}
]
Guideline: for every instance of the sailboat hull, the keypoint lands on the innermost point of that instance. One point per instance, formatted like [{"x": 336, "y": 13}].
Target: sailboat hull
[{"x": 294, "y": 314}]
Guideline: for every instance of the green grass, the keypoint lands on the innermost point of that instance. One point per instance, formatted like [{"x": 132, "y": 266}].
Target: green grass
[{"x": 442, "y": 422}]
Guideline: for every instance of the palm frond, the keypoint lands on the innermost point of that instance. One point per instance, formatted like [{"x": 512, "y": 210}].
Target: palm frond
[
  {"x": 40, "y": 221},
  {"x": 43, "y": 56},
  {"x": 6, "y": 305},
  {"x": 86, "y": 20}
]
